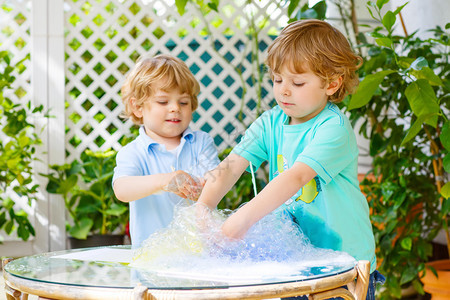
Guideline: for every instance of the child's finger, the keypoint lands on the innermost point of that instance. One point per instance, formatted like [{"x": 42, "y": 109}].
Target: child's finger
[
  {"x": 196, "y": 193},
  {"x": 186, "y": 192}
]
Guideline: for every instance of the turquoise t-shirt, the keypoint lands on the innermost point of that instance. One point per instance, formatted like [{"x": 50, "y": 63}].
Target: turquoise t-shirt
[{"x": 330, "y": 209}]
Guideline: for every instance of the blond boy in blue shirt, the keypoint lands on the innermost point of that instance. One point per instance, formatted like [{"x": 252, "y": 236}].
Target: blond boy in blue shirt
[{"x": 167, "y": 161}]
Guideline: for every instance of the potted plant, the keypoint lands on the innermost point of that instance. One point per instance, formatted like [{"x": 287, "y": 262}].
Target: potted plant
[
  {"x": 97, "y": 217},
  {"x": 403, "y": 101},
  {"x": 18, "y": 143}
]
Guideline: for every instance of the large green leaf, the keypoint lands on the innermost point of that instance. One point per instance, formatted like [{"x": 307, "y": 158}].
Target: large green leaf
[
  {"x": 445, "y": 135},
  {"x": 445, "y": 207},
  {"x": 406, "y": 243},
  {"x": 181, "y": 6},
  {"x": 408, "y": 275},
  {"x": 418, "y": 286},
  {"x": 116, "y": 210},
  {"x": 23, "y": 232},
  {"x": 399, "y": 8},
  {"x": 2, "y": 219},
  {"x": 423, "y": 100},
  {"x": 81, "y": 230},
  {"x": 389, "y": 20},
  {"x": 416, "y": 126},
  {"x": 321, "y": 9},
  {"x": 367, "y": 88},
  {"x": 9, "y": 227},
  {"x": 292, "y": 6},
  {"x": 446, "y": 163},
  {"x": 214, "y": 5},
  {"x": 445, "y": 190},
  {"x": 384, "y": 42},
  {"x": 67, "y": 185},
  {"x": 381, "y": 3},
  {"x": 8, "y": 203},
  {"x": 427, "y": 73}
]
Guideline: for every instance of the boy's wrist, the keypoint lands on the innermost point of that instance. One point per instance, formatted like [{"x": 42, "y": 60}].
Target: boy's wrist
[
  {"x": 247, "y": 216},
  {"x": 166, "y": 179}
]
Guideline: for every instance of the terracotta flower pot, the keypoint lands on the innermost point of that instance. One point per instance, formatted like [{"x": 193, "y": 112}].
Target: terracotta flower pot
[{"x": 438, "y": 287}]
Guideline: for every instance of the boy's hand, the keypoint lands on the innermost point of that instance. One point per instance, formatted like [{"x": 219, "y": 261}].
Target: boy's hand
[
  {"x": 203, "y": 216},
  {"x": 185, "y": 185}
]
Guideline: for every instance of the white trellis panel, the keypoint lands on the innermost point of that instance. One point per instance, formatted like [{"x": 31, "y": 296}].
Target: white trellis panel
[
  {"x": 97, "y": 63},
  {"x": 31, "y": 28},
  {"x": 15, "y": 23}
]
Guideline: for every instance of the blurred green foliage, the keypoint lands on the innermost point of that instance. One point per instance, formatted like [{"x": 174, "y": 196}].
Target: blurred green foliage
[
  {"x": 86, "y": 188},
  {"x": 403, "y": 102},
  {"x": 18, "y": 142}
]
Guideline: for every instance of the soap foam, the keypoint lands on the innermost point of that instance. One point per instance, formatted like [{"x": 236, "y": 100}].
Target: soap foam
[{"x": 193, "y": 246}]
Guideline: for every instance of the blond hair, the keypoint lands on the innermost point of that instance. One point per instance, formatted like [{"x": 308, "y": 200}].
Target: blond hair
[
  {"x": 166, "y": 69},
  {"x": 319, "y": 47}
]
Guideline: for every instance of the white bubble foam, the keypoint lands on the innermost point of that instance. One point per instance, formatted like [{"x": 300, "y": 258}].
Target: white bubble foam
[{"x": 193, "y": 246}]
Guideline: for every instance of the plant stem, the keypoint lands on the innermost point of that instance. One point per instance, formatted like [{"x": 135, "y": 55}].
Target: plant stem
[
  {"x": 403, "y": 24},
  {"x": 344, "y": 18},
  {"x": 438, "y": 173},
  {"x": 71, "y": 212},
  {"x": 354, "y": 20}
]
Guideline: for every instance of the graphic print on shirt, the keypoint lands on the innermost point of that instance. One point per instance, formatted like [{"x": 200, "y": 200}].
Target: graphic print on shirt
[{"x": 308, "y": 192}]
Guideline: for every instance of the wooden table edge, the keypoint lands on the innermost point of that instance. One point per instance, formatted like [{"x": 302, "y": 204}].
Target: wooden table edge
[{"x": 62, "y": 291}]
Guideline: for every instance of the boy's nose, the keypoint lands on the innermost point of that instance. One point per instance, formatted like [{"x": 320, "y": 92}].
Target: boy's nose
[
  {"x": 174, "y": 107},
  {"x": 285, "y": 91}
]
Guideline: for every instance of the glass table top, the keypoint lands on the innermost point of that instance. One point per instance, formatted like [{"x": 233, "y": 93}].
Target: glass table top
[{"x": 66, "y": 268}]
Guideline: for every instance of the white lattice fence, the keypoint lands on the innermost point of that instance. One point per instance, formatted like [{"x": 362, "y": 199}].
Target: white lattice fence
[
  {"x": 15, "y": 37},
  {"x": 15, "y": 22},
  {"x": 104, "y": 39}
]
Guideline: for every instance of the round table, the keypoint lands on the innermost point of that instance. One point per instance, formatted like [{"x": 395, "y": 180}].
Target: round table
[{"x": 63, "y": 275}]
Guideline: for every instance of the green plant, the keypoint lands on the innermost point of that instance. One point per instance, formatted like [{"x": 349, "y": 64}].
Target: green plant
[
  {"x": 403, "y": 101},
  {"x": 91, "y": 204},
  {"x": 18, "y": 143}
]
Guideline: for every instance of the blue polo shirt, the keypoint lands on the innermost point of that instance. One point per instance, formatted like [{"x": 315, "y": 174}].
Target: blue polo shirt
[
  {"x": 330, "y": 209},
  {"x": 196, "y": 155}
]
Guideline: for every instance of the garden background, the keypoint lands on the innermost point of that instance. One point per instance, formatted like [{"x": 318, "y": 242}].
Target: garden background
[{"x": 80, "y": 51}]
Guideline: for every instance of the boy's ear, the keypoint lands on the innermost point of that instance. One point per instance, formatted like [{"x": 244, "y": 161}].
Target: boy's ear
[
  {"x": 137, "y": 110},
  {"x": 334, "y": 85}
]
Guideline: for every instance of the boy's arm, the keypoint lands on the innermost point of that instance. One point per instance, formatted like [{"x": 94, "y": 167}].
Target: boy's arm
[
  {"x": 130, "y": 188},
  {"x": 220, "y": 180},
  {"x": 208, "y": 158},
  {"x": 276, "y": 192}
]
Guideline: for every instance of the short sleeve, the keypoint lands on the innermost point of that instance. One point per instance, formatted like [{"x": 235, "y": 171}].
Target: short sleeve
[
  {"x": 127, "y": 163},
  {"x": 252, "y": 146},
  {"x": 330, "y": 151}
]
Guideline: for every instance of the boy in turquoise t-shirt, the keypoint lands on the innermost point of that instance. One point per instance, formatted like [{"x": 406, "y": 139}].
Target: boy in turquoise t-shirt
[{"x": 309, "y": 144}]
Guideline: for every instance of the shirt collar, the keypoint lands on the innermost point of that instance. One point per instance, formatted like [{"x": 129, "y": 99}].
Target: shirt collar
[
  {"x": 147, "y": 142},
  {"x": 188, "y": 135}
]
